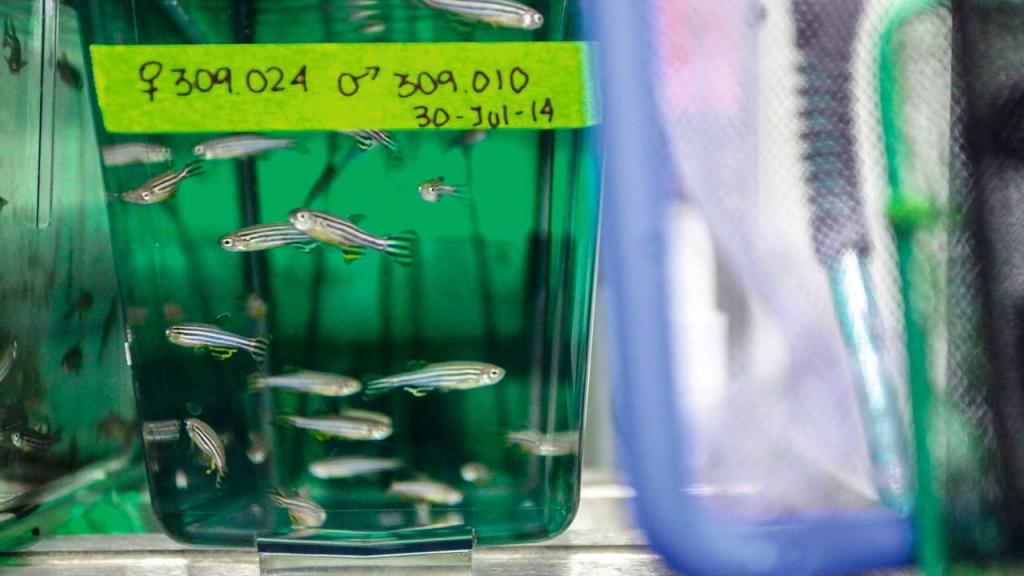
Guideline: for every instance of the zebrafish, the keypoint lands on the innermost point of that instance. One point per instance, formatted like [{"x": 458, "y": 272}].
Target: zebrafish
[
  {"x": 265, "y": 237},
  {"x": 72, "y": 359},
  {"x": 309, "y": 382},
  {"x": 303, "y": 512},
  {"x": 162, "y": 187},
  {"x": 11, "y": 40},
  {"x": 8, "y": 356},
  {"x": 68, "y": 72},
  {"x": 209, "y": 444},
  {"x": 442, "y": 376},
  {"x": 28, "y": 440},
  {"x": 428, "y": 491},
  {"x": 351, "y": 467},
  {"x": 504, "y": 13},
  {"x": 432, "y": 190},
  {"x": 221, "y": 344},
  {"x": 476, "y": 473},
  {"x": 240, "y": 146},
  {"x": 161, "y": 431},
  {"x": 557, "y": 444},
  {"x": 134, "y": 153},
  {"x": 352, "y": 240},
  {"x": 469, "y": 138},
  {"x": 367, "y": 139},
  {"x": 349, "y": 425}
]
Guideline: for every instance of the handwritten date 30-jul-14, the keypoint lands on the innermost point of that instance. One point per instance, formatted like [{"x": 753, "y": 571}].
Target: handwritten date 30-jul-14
[{"x": 161, "y": 81}]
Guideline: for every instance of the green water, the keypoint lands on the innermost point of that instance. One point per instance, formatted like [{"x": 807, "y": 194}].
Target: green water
[{"x": 504, "y": 278}]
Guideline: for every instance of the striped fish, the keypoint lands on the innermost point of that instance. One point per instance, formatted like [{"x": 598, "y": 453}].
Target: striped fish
[
  {"x": 428, "y": 491},
  {"x": 504, "y": 13},
  {"x": 162, "y": 187},
  {"x": 240, "y": 146},
  {"x": 303, "y": 512},
  {"x": 348, "y": 425},
  {"x": 352, "y": 240},
  {"x": 442, "y": 376},
  {"x": 161, "y": 430},
  {"x": 309, "y": 382},
  {"x": 351, "y": 467},
  {"x": 221, "y": 344},
  {"x": 28, "y": 440},
  {"x": 367, "y": 139},
  {"x": 265, "y": 237},
  {"x": 134, "y": 153},
  {"x": 432, "y": 190},
  {"x": 210, "y": 444},
  {"x": 7, "y": 357},
  {"x": 557, "y": 444}
]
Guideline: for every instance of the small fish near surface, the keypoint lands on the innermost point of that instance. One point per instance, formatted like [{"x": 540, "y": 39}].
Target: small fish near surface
[
  {"x": 309, "y": 382},
  {"x": 209, "y": 444},
  {"x": 434, "y": 189},
  {"x": 221, "y": 343},
  {"x": 265, "y": 237},
  {"x": 11, "y": 42},
  {"x": 8, "y": 356},
  {"x": 31, "y": 441},
  {"x": 352, "y": 240},
  {"x": 71, "y": 362},
  {"x": 130, "y": 153},
  {"x": 367, "y": 139},
  {"x": 503, "y": 13},
  {"x": 441, "y": 376},
  {"x": 303, "y": 512},
  {"x": 240, "y": 146},
  {"x": 162, "y": 187},
  {"x": 348, "y": 425},
  {"x": 352, "y": 466},
  {"x": 426, "y": 491},
  {"x": 3, "y": 203}
]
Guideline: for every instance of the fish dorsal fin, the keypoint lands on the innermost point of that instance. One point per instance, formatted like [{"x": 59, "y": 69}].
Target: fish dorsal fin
[
  {"x": 357, "y": 219},
  {"x": 221, "y": 319},
  {"x": 415, "y": 365}
]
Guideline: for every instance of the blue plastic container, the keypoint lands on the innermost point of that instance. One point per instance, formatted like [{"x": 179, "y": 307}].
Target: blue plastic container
[{"x": 694, "y": 533}]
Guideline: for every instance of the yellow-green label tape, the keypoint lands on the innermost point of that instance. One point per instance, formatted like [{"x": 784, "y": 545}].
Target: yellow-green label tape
[{"x": 291, "y": 87}]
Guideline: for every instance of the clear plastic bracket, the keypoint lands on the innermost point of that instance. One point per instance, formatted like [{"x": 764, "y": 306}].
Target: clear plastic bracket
[{"x": 446, "y": 554}]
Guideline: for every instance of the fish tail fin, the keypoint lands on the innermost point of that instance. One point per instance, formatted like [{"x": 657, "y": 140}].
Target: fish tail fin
[
  {"x": 400, "y": 247},
  {"x": 283, "y": 420},
  {"x": 391, "y": 146},
  {"x": 299, "y": 146},
  {"x": 256, "y": 384},
  {"x": 259, "y": 349},
  {"x": 352, "y": 253},
  {"x": 192, "y": 168},
  {"x": 376, "y": 386},
  {"x": 364, "y": 142}
]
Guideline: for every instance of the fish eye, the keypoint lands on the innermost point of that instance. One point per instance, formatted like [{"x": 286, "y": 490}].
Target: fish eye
[
  {"x": 534, "y": 20},
  {"x": 494, "y": 373},
  {"x": 302, "y": 216},
  {"x": 227, "y": 242},
  {"x": 146, "y": 195},
  {"x": 199, "y": 149}
]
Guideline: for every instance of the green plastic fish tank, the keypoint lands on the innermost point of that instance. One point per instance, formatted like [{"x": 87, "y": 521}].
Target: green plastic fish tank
[
  {"x": 67, "y": 417},
  {"x": 500, "y": 275}
]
